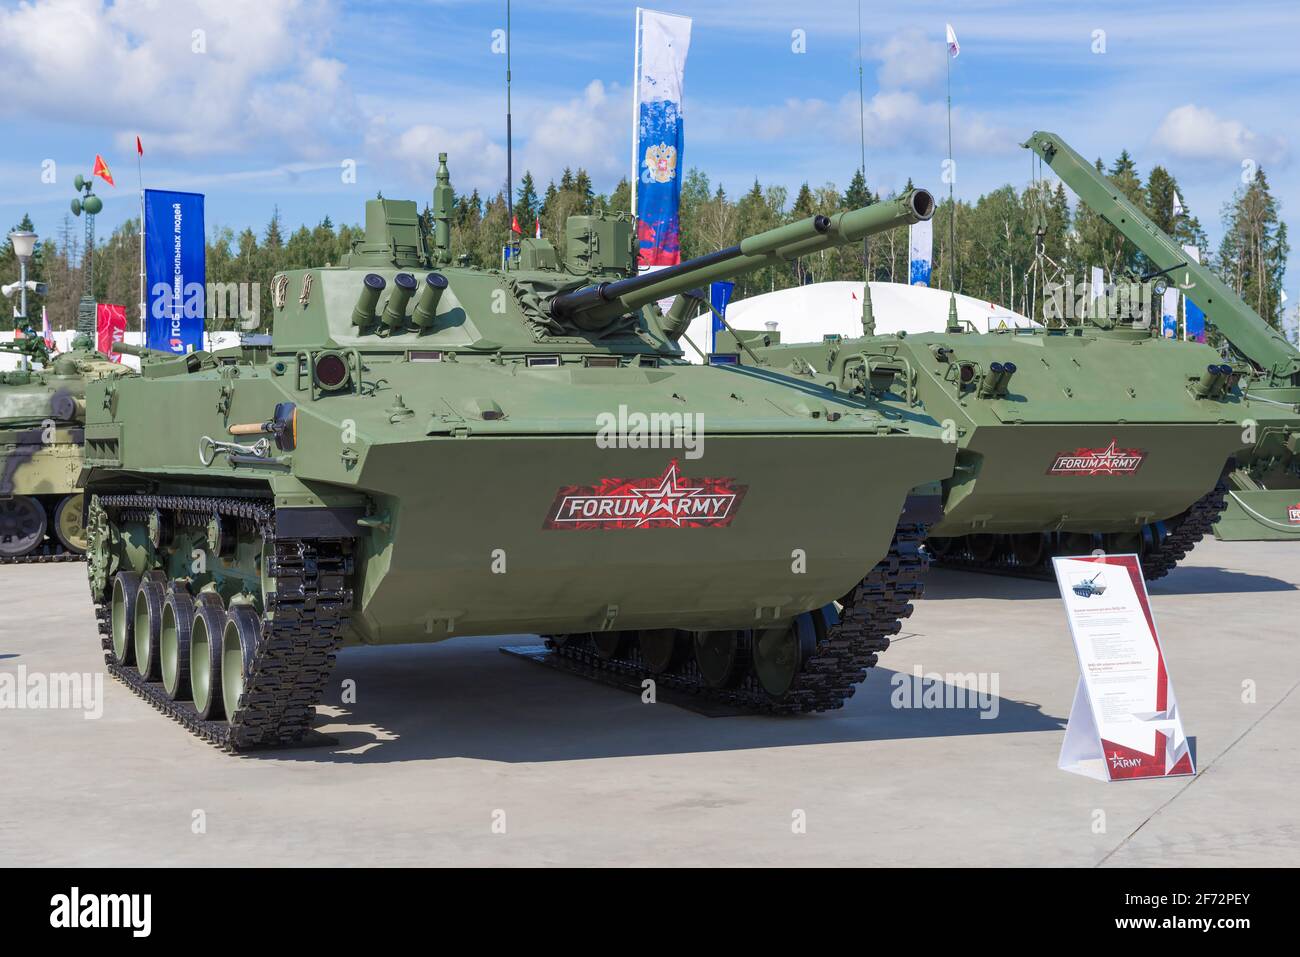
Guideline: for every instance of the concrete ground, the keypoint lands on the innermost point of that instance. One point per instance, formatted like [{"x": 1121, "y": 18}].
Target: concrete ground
[{"x": 448, "y": 745}]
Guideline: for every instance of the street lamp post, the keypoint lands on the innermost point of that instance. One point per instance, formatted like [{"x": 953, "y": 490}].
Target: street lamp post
[{"x": 24, "y": 245}]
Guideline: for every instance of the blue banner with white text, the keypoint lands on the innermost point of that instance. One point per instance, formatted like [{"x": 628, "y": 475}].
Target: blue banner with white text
[{"x": 174, "y": 259}]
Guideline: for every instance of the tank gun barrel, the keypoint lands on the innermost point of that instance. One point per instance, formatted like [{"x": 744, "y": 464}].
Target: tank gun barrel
[
  {"x": 140, "y": 352},
  {"x": 593, "y": 306}
]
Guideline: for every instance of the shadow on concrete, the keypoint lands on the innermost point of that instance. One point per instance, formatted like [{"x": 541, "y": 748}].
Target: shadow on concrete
[
  {"x": 465, "y": 699},
  {"x": 1207, "y": 580},
  {"x": 948, "y": 584}
]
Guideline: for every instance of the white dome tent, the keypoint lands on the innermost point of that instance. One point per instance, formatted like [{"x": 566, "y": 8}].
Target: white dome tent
[{"x": 807, "y": 313}]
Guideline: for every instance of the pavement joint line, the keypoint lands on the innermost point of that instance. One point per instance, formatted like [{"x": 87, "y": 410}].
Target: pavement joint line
[{"x": 1206, "y": 767}]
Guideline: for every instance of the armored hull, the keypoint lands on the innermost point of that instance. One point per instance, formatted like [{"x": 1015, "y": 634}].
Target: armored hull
[
  {"x": 1094, "y": 440},
  {"x": 427, "y": 451}
]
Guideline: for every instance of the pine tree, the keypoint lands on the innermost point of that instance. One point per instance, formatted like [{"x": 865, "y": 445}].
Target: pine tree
[
  {"x": 1252, "y": 257},
  {"x": 526, "y": 201}
]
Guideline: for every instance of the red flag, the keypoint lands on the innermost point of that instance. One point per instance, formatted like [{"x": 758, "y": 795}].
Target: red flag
[
  {"x": 110, "y": 327},
  {"x": 538, "y": 231},
  {"x": 514, "y": 226},
  {"x": 139, "y": 147},
  {"x": 102, "y": 171}
]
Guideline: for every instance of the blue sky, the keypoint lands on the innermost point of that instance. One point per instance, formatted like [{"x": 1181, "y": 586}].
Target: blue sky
[{"x": 273, "y": 97}]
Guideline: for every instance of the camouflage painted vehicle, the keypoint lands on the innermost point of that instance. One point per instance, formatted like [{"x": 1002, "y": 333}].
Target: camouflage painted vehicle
[
  {"x": 428, "y": 450},
  {"x": 42, "y": 410}
]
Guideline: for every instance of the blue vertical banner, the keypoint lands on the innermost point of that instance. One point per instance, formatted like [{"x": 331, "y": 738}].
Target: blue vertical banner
[
  {"x": 174, "y": 258},
  {"x": 920, "y": 244},
  {"x": 662, "y": 41},
  {"x": 719, "y": 296}
]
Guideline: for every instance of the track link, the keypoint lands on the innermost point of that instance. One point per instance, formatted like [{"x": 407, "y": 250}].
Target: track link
[
  {"x": 301, "y": 627},
  {"x": 873, "y": 613},
  {"x": 52, "y": 551},
  {"x": 1171, "y": 541}
]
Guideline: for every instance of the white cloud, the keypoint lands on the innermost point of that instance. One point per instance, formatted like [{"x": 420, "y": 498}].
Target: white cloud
[
  {"x": 207, "y": 76},
  {"x": 585, "y": 131},
  {"x": 1194, "y": 132},
  {"x": 894, "y": 119},
  {"x": 910, "y": 59}
]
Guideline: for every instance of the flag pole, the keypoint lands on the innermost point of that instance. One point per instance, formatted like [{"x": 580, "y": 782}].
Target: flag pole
[
  {"x": 636, "y": 104},
  {"x": 510, "y": 173},
  {"x": 139, "y": 171},
  {"x": 868, "y": 313},
  {"x": 952, "y": 206}
]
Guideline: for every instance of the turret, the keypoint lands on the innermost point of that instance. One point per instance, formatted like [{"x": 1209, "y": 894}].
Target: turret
[{"x": 592, "y": 307}]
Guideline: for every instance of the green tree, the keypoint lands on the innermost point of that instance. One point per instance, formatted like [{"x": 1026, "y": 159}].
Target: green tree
[{"x": 1252, "y": 257}]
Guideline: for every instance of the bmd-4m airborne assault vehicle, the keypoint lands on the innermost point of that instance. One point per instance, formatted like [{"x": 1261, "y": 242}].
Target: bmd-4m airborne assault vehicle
[
  {"x": 42, "y": 408},
  {"x": 416, "y": 457}
]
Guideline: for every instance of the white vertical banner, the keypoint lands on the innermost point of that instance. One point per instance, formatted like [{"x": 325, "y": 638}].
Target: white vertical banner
[
  {"x": 1096, "y": 290},
  {"x": 920, "y": 244},
  {"x": 1169, "y": 313},
  {"x": 658, "y": 140}
]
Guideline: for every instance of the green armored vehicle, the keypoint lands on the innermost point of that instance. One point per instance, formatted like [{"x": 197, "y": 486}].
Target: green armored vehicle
[
  {"x": 1263, "y": 485},
  {"x": 428, "y": 450},
  {"x": 1088, "y": 433},
  {"x": 42, "y": 409}
]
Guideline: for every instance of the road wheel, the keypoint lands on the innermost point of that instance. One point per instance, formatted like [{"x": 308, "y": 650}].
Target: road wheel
[
  {"x": 1029, "y": 549},
  {"x": 780, "y": 653},
  {"x": 722, "y": 656},
  {"x": 22, "y": 526},
  {"x": 174, "y": 642},
  {"x": 68, "y": 526},
  {"x": 661, "y": 649},
  {"x": 609, "y": 644},
  {"x": 126, "y": 586},
  {"x": 205, "y": 655},
  {"x": 147, "y": 624},
  {"x": 238, "y": 644}
]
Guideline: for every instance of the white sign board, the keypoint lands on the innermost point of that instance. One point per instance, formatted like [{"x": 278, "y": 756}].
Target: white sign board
[{"x": 1125, "y": 721}]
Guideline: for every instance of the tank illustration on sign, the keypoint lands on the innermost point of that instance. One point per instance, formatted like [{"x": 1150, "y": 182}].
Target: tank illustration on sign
[{"x": 427, "y": 449}]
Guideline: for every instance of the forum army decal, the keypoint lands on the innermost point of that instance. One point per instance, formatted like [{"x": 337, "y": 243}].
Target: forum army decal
[
  {"x": 1107, "y": 461},
  {"x": 669, "y": 500}
]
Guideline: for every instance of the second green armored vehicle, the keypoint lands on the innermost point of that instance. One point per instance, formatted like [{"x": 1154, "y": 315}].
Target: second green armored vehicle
[
  {"x": 1263, "y": 486},
  {"x": 428, "y": 450},
  {"x": 1089, "y": 433},
  {"x": 42, "y": 408}
]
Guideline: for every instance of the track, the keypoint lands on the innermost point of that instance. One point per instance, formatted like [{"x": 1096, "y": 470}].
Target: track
[
  {"x": 847, "y": 648},
  {"x": 301, "y": 627},
  {"x": 51, "y": 551},
  {"x": 1167, "y": 543}
]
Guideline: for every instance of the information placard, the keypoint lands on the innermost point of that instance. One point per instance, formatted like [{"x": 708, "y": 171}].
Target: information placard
[{"x": 1124, "y": 723}]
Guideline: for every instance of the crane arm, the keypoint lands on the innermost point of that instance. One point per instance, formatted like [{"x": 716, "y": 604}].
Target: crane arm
[{"x": 1248, "y": 333}]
